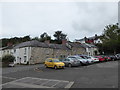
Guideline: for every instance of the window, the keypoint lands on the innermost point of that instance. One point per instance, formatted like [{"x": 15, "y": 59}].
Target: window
[
  {"x": 25, "y": 51},
  {"x": 4, "y": 51},
  {"x": 14, "y": 50},
  {"x": 25, "y": 58},
  {"x": 67, "y": 60},
  {"x": 11, "y": 53},
  {"x": 8, "y": 52}
]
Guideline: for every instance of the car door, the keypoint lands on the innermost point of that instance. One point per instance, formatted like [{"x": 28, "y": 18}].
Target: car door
[
  {"x": 66, "y": 61},
  {"x": 50, "y": 63}
]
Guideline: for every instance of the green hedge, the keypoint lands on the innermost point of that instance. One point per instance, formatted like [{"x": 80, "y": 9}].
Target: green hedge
[{"x": 8, "y": 58}]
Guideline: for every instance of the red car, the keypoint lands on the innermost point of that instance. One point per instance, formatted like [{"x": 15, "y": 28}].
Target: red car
[
  {"x": 100, "y": 58},
  {"x": 106, "y": 58}
]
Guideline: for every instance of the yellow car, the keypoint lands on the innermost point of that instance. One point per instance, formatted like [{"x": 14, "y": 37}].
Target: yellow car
[{"x": 54, "y": 63}]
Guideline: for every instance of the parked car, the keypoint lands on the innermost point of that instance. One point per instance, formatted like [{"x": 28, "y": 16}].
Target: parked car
[
  {"x": 118, "y": 56},
  {"x": 54, "y": 63},
  {"x": 87, "y": 58},
  {"x": 106, "y": 58},
  {"x": 71, "y": 62},
  {"x": 112, "y": 57},
  {"x": 100, "y": 58},
  {"x": 94, "y": 58},
  {"x": 11, "y": 65},
  {"x": 82, "y": 61}
]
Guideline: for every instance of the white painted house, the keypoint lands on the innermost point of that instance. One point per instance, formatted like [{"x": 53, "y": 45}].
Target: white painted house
[
  {"x": 22, "y": 55},
  {"x": 91, "y": 40},
  {"x": 90, "y": 49},
  {"x": 6, "y": 50}
]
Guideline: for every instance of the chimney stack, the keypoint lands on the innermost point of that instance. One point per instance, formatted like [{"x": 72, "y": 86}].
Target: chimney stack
[
  {"x": 47, "y": 41},
  {"x": 64, "y": 41},
  {"x": 9, "y": 44}
]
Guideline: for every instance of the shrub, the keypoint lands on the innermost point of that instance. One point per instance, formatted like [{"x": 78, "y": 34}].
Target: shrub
[{"x": 8, "y": 58}]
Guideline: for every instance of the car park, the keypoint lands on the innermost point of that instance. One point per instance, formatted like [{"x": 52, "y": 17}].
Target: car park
[
  {"x": 54, "y": 63},
  {"x": 71, "y": 62},
  {"x": 82, "y": 60}
]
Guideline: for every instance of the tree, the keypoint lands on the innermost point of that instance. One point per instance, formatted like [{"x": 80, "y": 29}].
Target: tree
[
  {"x": 59, "y": 36},
  {"x": 36, "y": 38},
  {"x": 26, "y": 38},
  {"x": 44, "y": 37},
  {"x": 111, "y": 39},
  {"x": 14, "y": 40}
]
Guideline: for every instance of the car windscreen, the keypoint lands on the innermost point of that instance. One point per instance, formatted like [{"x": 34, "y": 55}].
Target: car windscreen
[
  {"x": 89, "y": 57},
  {"x": 56, "y": 60},
  {"x": 72, "y": 59}
]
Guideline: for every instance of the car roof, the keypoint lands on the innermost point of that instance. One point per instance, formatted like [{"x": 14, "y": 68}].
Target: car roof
[{"x": 51, "y": 58}]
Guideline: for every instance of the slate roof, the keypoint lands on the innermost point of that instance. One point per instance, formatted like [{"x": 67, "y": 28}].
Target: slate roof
[
  {"x": 75, "y": 44},
  {"x": 58, "y": 46},
  {"x": 33, "y": 43},
  {"x": 88, "y": 45},
  {"x": 7, "y": 47},
  {"x": 80, "y": 39},
  {"x": 36, "y": 43},
  {"x": 93, "y": 37}
]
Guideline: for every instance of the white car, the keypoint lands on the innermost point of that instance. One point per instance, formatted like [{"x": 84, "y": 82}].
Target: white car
[
  {"x": 94, "y": 59},
  {"x": 90, "y": 61},
  {"x": 82, "y": 61},
  {"x": 11, "y": 65}
]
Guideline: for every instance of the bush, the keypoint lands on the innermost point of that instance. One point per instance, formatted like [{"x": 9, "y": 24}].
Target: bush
[{"x": 8, "y": 58}]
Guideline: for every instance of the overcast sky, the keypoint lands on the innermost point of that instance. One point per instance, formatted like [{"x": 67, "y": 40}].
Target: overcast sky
[{"x": 76, "y": 19}]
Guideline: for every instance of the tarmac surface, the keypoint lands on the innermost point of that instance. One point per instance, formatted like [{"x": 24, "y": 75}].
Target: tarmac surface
[{"x": 98, "y": 75}]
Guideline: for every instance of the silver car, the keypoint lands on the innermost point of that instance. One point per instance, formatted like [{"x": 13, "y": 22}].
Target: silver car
[
  {"x": 81, "y": 60},
  {"x": 71, "y": 62}
]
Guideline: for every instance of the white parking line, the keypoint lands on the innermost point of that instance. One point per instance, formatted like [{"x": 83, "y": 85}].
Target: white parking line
[
  {"x": 16, "y": 82},
  {"x": 69, "y": 85},
  {"x": 55, "y": 84},
  {"x": 12, "y": 81}
]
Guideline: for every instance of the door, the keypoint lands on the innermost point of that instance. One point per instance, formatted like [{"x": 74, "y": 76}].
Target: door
[
  {"x": 50, "y": 63},
  {"x": 66, "y": 61}
]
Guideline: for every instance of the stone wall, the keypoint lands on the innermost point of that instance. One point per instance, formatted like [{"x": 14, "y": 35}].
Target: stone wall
[
  {"x": 76, "y": 51},
  {"x": 60, "y": 53},
  {"x": 39, "y": 54}
]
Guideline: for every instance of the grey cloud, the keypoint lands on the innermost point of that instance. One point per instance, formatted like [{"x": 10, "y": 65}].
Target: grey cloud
[
  {"x": 93, "y": 16},
  {"x": 75, "y": 19}
]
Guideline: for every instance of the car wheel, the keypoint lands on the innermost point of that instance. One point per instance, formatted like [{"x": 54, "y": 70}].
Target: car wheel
[
  {"x": 81, "y": 63},
  {"x": 46, "y": 66},
  {"x": 55, "y": 67},
  {"x": 87, "y": 63},
  {"x": 69, "y": 65}
]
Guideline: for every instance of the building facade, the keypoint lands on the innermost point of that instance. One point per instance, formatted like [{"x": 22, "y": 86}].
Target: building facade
[{"x": 33, "y": 52}]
